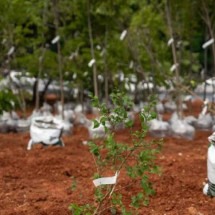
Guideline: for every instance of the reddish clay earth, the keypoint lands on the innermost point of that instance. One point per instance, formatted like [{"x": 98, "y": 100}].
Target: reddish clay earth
[{"x": 39, "y": 182}]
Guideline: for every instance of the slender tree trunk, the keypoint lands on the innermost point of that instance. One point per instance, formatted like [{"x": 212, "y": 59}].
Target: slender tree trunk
[
  {"x": 95, "y": 82},
  {"x": 37, "y": 93},
  {"x": 106, "y": 77},
  {"x": 82, "y": 97},
  {"x": 42, "y": 96},
  {"x": 41, "y": 58},
  {"x": 149, "y": 50},
  {"x": 61, "y": 77},
  {"x": 59, "y": 56},
  {"x": 20, "y": 92},
  {"x": 138, "y": 68},
  {"x": 208, "y": 21},
  {"x": 176, "y": 63},
  {"x": 153, "y": 66},
  {"x": 205, "y": 67}
]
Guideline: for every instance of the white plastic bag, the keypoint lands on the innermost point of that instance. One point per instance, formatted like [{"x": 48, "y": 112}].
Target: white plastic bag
[{"x": 45, "y": 130}]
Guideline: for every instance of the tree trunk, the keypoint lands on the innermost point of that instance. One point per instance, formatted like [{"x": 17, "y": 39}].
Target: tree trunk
[
  {"x": 106, "y": 76},
  {"x": 208, "y": 22},
  {"x": 176, "y": 63},
  {"x": 95, "y": 82},
  {"x": 36, "y": 95},
  {"x": 42, "y": 95},
  {"x": 59, "y": 56},
  {"x": 41, "y": 58}
]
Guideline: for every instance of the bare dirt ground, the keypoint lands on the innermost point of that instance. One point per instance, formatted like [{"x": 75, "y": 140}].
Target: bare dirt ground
[{"x": 40, "y": 181}]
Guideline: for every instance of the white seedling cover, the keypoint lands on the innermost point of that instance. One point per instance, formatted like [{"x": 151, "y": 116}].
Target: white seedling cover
[
  {"x": 180, "y": 128},
  {"x": 105, "y": 180},
  {"x": 211, "y": 163},
  {"x": 23, "y": 123},
  {"x": 159, "y": 125},
  {"x": 211, "y": 138},
  {"x": 170, "y": 106},
  {"x": 191, "y": 120},
  {"x": 45, "y": 129},
  {"x": 204, "y": 121},
  {"x": 66, "y": 125},
  {"x": 159, "y": 107},
  {"x": 5, "y": 116},
  {"x": 159, "y": 128},
  {"x": 211, "y": 81}
]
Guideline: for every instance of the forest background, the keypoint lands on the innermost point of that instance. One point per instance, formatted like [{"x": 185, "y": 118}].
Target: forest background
[{"x": 81, "y": 42}]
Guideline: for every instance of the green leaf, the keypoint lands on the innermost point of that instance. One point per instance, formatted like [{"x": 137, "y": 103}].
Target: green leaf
[
  {"x": 96, "y": 123},
  {"x": 129, "y": 123},
  {"x": 136, "y": 200},
  {"x": 94, "y": 149},
  {"x": 103, "y": 120},
  {"x": 80, "y": 210}
]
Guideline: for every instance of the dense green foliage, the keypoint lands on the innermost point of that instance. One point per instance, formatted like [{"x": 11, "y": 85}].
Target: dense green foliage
[
  {"x": 92, "y": 28},
  {"x": 7, "y": 101}
]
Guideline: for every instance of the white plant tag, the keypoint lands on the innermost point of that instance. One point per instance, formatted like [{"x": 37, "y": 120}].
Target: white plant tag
[
  {"x": 10, "y": 52},
  {"x": 123, "y": 34},
  {"x": 74, "y": 76},
  {"x": 4, "y": 41},
  {"x": 173, "y": 67},
  {"x": 71, "y": 56},
  {"x": 102, "y": 52},
  {"x": 171, "y": 40},
  {"x": 105, "y": 180},
  {"x": 208, "y": 43},
  {"x": 91, "y": 62},
  {"x": 56, "y": 39},
  {"x": 98, "y": 47},
  {"x": 131, "y": 64},
  {"x": 204, "y": 110}
]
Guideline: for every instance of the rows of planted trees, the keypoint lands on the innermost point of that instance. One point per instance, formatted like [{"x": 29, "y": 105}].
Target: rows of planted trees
[
  {"x": 98, "y": 49},
  {"x": 95, "y": 45}
]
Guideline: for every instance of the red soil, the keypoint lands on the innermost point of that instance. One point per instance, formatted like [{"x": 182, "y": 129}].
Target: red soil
[{"x": 39, "y": 182}]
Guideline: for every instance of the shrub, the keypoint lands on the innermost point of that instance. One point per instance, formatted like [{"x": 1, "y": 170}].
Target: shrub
[{"x": 136, "y": 158}]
